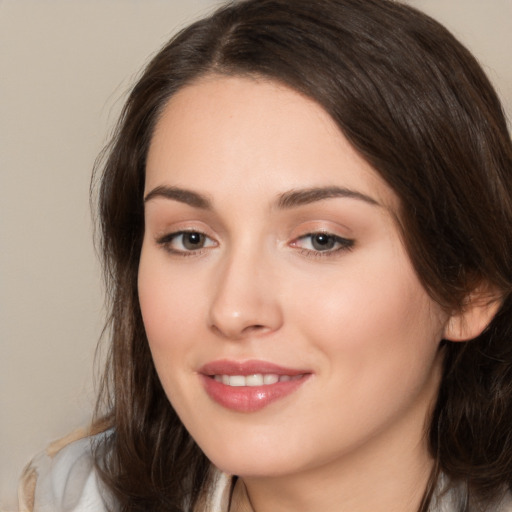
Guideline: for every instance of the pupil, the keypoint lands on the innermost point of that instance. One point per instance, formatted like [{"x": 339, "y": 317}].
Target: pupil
[
  {"x": 193, "y": 240},
  {"x": 323, "y": 242}
]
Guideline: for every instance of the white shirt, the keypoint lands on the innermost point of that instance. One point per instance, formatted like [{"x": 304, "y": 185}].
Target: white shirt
[{"x": 63, "y": 479}]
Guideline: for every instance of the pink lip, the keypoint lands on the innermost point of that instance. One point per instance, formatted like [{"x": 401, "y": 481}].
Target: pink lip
[{"x": 249, "y": 398}]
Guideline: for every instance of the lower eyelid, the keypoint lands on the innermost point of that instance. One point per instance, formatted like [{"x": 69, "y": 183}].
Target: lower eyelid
[{"x": 333, "y": 253}]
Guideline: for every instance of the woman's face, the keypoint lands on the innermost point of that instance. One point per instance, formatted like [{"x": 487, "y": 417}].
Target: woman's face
[{"x": 286, "y": 323}]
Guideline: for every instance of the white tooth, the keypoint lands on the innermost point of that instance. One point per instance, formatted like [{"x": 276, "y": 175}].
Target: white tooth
[
  {"x": 254, "y": 380},
  {"x": 270, "y": 378},
  {"x": 237, "y": 380}
]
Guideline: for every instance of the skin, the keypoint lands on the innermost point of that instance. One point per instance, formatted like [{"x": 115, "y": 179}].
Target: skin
[{"x": 356, "y": 317}]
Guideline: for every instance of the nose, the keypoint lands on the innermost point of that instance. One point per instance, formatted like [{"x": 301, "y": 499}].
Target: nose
[{"x": 245, "y": 300}]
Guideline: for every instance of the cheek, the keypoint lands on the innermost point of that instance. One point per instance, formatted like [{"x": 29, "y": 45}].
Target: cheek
[
  {"x": 378, "y": 344},
  {"x": 376, "y": 319},
  {"x": 170, "y": 305}
]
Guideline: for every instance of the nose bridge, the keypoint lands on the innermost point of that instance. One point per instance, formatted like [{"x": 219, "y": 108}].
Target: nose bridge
[{"x": 245, "y": 299}]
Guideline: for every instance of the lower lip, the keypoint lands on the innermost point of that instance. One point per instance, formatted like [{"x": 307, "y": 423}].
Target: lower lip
[{"x": 249, "y": 398}]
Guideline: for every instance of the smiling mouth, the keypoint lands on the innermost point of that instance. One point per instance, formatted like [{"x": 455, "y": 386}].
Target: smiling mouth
[
  {"x": 257, "y": 379},
  {"x": 250, "y": 386}
]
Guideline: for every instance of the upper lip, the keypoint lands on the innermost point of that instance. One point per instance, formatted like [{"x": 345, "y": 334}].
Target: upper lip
[{"x": 251, "y": 367}]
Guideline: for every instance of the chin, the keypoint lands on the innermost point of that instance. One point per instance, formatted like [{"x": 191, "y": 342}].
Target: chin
[{"x": 253, "y": 460}]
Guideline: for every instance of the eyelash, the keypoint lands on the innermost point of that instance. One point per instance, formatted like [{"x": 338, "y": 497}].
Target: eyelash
[
  {"x": 343, "y": 244},
  {"x": 166, "y": 241}
]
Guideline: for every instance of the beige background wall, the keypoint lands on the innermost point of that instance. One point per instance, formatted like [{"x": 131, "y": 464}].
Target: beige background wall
[{"x": 65, "y": 66}]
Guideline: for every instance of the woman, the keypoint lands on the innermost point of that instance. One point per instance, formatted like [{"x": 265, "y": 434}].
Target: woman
[{"x": 306, "y": 218}]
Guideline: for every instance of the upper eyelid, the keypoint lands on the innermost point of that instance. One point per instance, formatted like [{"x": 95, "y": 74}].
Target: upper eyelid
[
  {"x": 319, "y": 228},
  {"x": 175, "y": 233},
  {"x": 316, "y": 224},
  {"x": 327, "y": 233},
  {"x": 185, "y": 226},
  {"x": 304, "y": 229}
]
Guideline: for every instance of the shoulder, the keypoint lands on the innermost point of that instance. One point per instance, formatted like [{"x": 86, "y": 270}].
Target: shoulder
[{"x": 63, "y": 478}]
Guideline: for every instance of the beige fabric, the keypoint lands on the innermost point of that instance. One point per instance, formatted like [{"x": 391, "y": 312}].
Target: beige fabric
[{"x": 27, "y": 489}]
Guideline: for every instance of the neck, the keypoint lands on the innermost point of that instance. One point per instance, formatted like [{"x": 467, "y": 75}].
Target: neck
[
  {"x": 365, "y": 488},
  {"x": 388, "y": 472}
]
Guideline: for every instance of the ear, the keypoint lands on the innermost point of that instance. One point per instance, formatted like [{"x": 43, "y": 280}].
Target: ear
[{"x": 477, "y": 313}]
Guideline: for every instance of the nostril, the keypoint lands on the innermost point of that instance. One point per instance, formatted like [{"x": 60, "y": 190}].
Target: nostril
[{"x": 254, "y": 328}]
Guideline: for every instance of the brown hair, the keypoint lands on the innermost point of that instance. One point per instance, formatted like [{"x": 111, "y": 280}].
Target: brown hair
[{"x": 417, "y": 106}]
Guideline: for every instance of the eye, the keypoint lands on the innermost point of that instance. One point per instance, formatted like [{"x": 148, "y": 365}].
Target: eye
[
  {"x": 322, "y": 242},
  {"x": 185, "y": 241}
]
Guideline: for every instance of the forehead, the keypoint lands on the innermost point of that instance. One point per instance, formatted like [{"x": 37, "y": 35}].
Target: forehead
[{"x": 243, "y": 133}]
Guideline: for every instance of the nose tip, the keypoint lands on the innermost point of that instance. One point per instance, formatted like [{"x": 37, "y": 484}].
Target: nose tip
[
  {"x": 246, "y": 320},
  {"x": 244, "y": 304}
]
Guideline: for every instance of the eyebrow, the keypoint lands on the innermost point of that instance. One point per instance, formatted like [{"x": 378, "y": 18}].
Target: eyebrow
[
  {"x": 301, "y": 197},
  {"x": 181, "y": 195},
  {"x": 287, "y": 200}
]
